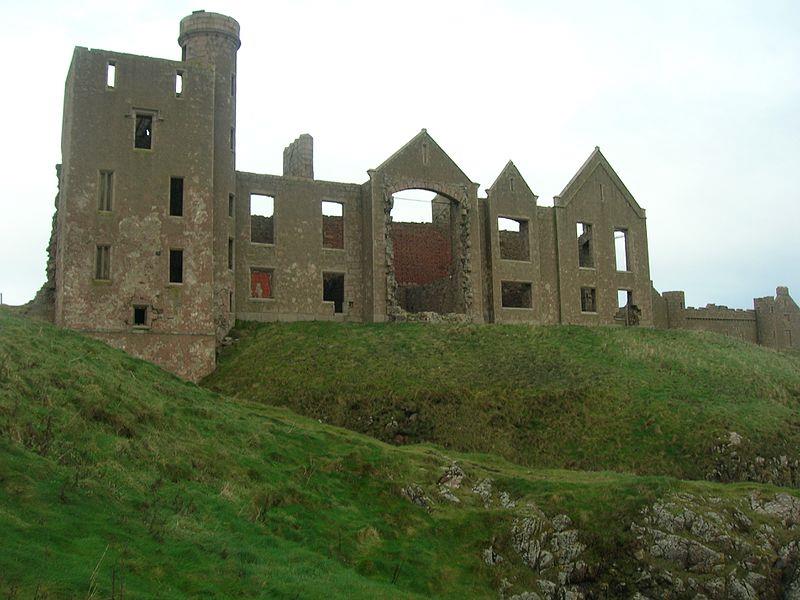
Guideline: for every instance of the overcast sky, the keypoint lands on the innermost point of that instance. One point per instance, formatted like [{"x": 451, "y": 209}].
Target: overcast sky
[{"x": 695, "y": 104}]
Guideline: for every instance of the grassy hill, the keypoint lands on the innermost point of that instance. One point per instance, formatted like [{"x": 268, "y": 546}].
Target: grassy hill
[
  {"x": 118, "y": 480},
  {"x": 627, "y": 399}
]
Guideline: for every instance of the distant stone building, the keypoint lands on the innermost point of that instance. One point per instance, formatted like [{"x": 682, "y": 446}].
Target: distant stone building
[{"x": 159, "y": 244}]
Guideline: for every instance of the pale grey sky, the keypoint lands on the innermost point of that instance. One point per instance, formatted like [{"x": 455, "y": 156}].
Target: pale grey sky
[{"x": 696, "y": 105}]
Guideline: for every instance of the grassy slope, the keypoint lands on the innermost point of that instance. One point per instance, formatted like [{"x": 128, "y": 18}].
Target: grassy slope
[
  {"x": 113, "y": 471},
  {"x": 636, "y": 400}
]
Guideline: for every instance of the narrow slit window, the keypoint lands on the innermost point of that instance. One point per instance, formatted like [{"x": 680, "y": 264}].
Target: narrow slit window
[
  {"x": 178, "y": 84},
  {"x": 231, "y": 204},
  {"x": 176, "y": 266},
  {"x": 144, "y": 132},
  {"x": 332, "y": 225},
  {"x": 233, "y": 138},
  {"x": 176, "y": 196},
  {"x": 102, "y": 268},
  {"x": 230, "y": 253},
  {"x": 588, "y": 300},
  {"x": 333, "y": 290},
  {"x": 105, "y": 200},
  {"x": 140, "y": 316},
  {"x": 262, "y": 225},
  {"x": 621, "y": 249},
  {"x": 261, "y": 283},
  {"x": 516, "y": 294},
  {"x": 585, "y": 246},
  {"x": 513, "y": 238},
  {"x": 230, "y": 302},
  {"x": 233, "y": 84},
  {"x": 111, "y": 74}
]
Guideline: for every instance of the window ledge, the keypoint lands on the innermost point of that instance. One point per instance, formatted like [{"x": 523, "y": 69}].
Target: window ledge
[
  {"x": 261, "y": 299},
  {"x": 517, "y": 260},
  {"x": 587, "y": 268},
  {"x": 589, "y": 312},
  {"x": 266, "y": 244},
  {"x": 101, "y": 281},
  {"x": 516, "y": 307}
]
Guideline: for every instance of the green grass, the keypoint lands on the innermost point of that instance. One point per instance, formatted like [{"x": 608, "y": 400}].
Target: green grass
[
  {"x": 114, "y": 473},
  {"x": 626, "y": 399}
]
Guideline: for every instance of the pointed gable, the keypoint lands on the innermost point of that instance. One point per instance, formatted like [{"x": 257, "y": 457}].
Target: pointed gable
[
  {"x": 510, "y": 182},
  {"x": 422, "y": 159},
  {"x": 596, "y": 161}
]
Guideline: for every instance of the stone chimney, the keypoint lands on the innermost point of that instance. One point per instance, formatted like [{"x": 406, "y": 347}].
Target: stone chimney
[{"x": 298, "y": 158}]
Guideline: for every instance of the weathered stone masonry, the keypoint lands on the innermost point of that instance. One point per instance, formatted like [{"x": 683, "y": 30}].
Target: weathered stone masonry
[{"x": 157, "y": 250}]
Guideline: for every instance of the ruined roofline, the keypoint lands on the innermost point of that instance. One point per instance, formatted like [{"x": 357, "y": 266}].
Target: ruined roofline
[
  {"x": 115, "y": 54},
  {"x": 354, "y": 186},
  {"x": 511, "y": 166},
  {"x": 588, "y": 167},
  {"x": 423, "y": 133}
]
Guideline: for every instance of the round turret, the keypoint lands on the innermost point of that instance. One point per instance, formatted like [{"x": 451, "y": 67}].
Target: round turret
[{"x": 201, "y": 33}]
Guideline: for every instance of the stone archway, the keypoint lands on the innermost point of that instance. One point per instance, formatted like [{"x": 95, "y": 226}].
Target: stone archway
[{"x": 452, "y": 294}]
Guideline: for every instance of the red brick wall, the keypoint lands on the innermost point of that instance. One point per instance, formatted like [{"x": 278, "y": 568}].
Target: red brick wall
[
  {"x": 422, "y": 252},
  {"x": 332, "y": 231}
]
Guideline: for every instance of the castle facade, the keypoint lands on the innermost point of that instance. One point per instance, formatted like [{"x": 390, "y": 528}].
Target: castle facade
[{"x": 159, "y": 244}]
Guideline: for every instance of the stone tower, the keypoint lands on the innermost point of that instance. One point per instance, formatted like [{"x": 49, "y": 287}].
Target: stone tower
[{"x": 212, "y": 39}]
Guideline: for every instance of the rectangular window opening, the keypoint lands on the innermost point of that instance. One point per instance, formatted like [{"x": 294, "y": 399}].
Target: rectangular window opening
[
  {"x": 176, "y": 266},
  {"x": 261, "y": 283},
  {"x": 230, "y": 253},
  {"x": 230, "y": 302},
  {"x": 516, "y": 294},
  {"x": 513, "y": 238},
  {"x": 102, "y": 269},
  {"x": 585, "y": 246},
  {"x": 105, "y": 200},
  {"x": 231, "y": 204},
  {"x": 333, "y": 290},
  {"x": 332, "y": 224},
  {"x": 111, "y": 74},
  {"x": 140, "y": 316},
  {"x": 144, "y": 131},
  {"x": 178, "y": 83},
  {"x": 624, "y": 298},
  {"x": 176, "y": 196},
  {"x": 262, "y": 225},
  {"x": 233, "y": 138},
  {"x": 621, "y": 249},
  {"x": 233, "y": 84},
  {"x": 588, "y": 300}
]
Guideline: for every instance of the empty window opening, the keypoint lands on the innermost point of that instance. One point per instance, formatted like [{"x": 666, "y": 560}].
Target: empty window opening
[
  {"x": 176, "y": 266},
  {"x": 588, "y": 300},
  {"x": 332, "y": 224},
  {"x": 230, "y": 253},
  {"x": 105, "y": 200},
  {"x": 102, "y": 268},
  {"x": 111, "y": 74},
  {"x": 140, "y": 316},
  {"x": 261, "y": 283},
  {"x": 179, "y": 83},
  {"x": 333, "y": 290},
  {"x": 176, "y": 196},
  {"x": 262, "y": 224},
  {"x": 233, "y": 84},
  {"x": 515, "y": 294},
  {"x": 230, "y": 302},
  {"x": 231, "y": 203},
  {"x": 585, "y": 246},
  {"x": 425, "y": 235},
  {"x": 233, "y": 138},
  {"x": 624, "y": 298},
  {"x": 513, "y": 238},
  {"x": 144, "y": 132},
  {"x": 621, "y": 249}
]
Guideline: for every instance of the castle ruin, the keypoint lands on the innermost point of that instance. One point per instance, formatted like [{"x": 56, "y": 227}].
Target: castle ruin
[{"x": 159, "y": 244}]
